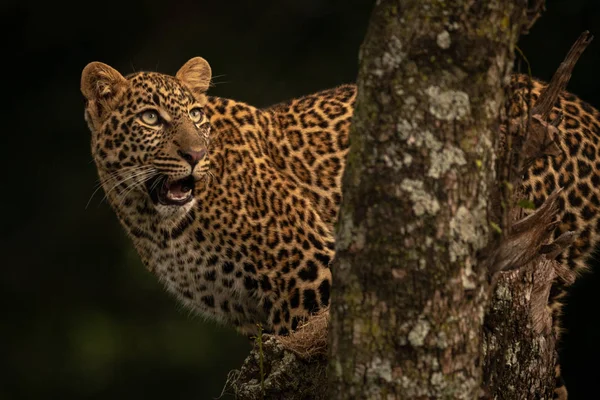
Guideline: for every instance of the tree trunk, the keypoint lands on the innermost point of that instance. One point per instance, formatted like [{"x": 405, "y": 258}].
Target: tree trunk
[{"x": 409, "y": 299}]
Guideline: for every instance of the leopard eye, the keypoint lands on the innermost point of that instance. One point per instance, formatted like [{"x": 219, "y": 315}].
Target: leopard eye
[
  {"x": 196, "y": 114},
  {"x": 150, "y": 117}
]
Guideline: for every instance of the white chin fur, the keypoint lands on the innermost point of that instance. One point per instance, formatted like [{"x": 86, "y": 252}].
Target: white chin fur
[{"x": 173, "y": 211}]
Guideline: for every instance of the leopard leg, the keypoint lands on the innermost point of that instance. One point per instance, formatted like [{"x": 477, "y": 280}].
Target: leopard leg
[
  {"x": 555, "y": 305},
  {"x": 560, "y": 390}
]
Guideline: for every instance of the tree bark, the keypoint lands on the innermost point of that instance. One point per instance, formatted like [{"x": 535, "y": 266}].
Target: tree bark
[{"x": 409, "y": 299}]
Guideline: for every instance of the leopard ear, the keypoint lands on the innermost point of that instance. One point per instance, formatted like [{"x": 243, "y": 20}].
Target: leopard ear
[
  {"x": 101, "y": 82},
  {"x": 195, "y": 75}
]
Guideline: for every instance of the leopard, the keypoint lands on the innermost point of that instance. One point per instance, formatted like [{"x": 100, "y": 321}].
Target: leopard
[{"x": 233, "y": 207}]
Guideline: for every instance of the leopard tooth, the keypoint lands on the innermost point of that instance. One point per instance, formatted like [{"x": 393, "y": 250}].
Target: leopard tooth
[{"x": 173, "y": 196}]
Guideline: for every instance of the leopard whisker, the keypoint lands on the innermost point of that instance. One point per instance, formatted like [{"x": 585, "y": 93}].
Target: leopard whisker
[
  {"x": 111, "y": 178},
  {"x": 211, "y": 176},
  {"x": 144, "y": 178},
  {"x": 129, "y": 178},
  {"x": 120, "y": 172},
  {"x": 156, "y": 183}
]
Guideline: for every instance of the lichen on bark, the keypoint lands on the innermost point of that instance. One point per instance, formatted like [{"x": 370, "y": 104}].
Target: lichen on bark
[
  {"x": 286, "y": 375},
  {"x": 518, "y": 355}
]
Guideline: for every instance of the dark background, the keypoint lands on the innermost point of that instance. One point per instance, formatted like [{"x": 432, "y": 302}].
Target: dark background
[{"x": 80, "y": 316}]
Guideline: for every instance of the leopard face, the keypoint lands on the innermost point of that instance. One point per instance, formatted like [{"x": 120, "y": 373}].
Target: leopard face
[{"x": 150, "y": 134}]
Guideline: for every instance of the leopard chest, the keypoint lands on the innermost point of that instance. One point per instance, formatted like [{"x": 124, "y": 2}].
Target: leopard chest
[{"x": 206, "y": 281}]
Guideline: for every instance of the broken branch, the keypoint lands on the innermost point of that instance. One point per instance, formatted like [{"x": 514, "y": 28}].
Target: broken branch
[
  {"x": 561, "y": 77},
  {"x": 527, "y": 239},
  {"x": 533, "y": 13}
]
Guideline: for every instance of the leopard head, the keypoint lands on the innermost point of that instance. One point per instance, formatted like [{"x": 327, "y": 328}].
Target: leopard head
[{"x": 150, "y": 135}]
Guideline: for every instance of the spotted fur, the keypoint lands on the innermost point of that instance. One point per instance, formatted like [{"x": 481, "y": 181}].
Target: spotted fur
[{"x": 254, "y": 244}]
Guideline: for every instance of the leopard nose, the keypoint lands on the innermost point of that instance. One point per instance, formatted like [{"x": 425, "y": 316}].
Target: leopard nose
[{"x": 192, "y": 156}]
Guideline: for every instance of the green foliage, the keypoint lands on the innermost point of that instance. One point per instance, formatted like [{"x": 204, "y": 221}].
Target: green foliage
[
  {"x": 261, "y": 360},
  {"x": 495, "y": 227},
  {"x": 527, "y": 204},
  {"x": 529, "y": 73}
]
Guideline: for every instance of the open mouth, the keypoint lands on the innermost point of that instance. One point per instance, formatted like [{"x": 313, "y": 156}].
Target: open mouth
[{"x": 175, "y": 193}]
